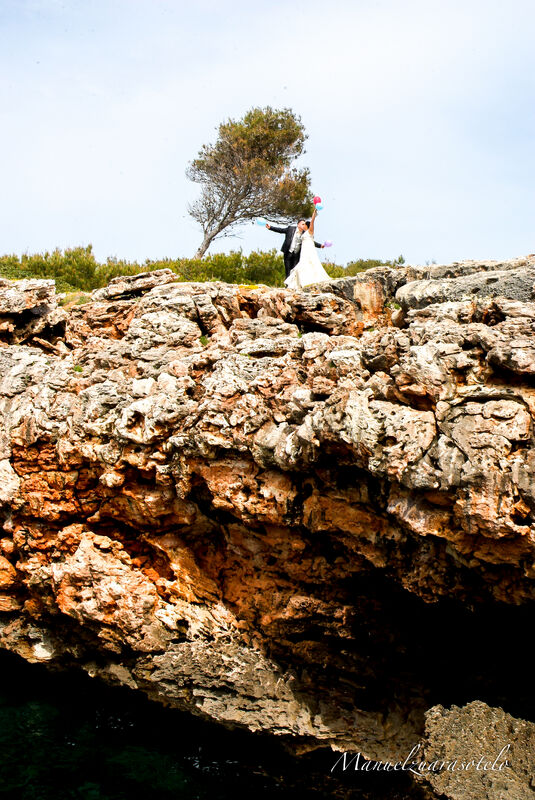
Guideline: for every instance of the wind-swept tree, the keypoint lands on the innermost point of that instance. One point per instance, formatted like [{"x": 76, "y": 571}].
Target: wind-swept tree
[{"x": 248, "y": 173}]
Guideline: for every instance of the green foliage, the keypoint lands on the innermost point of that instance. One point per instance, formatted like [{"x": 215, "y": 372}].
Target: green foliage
[
  {"x": 361, "y": 265},
  {"x": 75, "y": 299},
  {"x": 248, "y": 173},
  {"x": 77, "y": 273},
  {"x": 72, "y": 269},
  {"x": 114, "y": 268},
  {"x": 264, "y": 267},
  {"x": 334, "y": 270},
  {"x": 234, "y": 267}
]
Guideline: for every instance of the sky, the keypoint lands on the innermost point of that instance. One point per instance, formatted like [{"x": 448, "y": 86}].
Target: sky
[{"x": 420, "y": 116}]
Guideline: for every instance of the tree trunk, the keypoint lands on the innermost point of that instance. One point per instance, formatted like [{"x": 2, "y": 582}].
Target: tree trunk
[{"x": 206, "y": 242}]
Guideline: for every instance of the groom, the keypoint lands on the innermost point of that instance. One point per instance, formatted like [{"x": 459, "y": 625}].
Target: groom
[{"x": 291, "y": 246}]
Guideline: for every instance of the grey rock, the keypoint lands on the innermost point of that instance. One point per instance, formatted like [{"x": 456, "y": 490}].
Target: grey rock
[
  {"x": 125, "y": 286},
  {"x": 514, "y": 284}
]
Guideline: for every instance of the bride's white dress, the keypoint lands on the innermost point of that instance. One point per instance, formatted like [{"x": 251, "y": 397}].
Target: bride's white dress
[{"x": 309, "y": 269}]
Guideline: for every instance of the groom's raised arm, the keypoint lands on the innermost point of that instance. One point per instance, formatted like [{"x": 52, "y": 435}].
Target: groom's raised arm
[
  {"x": 273, "y": 228},
  {"x": 318, "y": 244}
]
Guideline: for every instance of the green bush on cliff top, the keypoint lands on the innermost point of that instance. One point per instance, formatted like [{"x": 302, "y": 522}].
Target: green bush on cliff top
[{"x": 76, "y": 269}]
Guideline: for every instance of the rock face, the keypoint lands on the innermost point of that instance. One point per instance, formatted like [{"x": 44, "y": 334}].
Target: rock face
[
  {"x": 488, "y": 753},
  {"x": 291, "y": 512}
]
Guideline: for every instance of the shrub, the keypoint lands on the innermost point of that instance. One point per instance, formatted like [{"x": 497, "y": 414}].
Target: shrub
[
  {"x": 268, "y": 268},
  {"x": 72, "y": 269},
  {"x": 76, "y": 269}
]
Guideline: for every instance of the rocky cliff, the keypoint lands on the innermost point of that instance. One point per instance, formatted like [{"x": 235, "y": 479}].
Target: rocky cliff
[{"x": 303, "y": 513}]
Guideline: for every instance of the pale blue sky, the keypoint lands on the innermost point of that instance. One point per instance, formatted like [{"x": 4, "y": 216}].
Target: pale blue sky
[{"x": 420, "y": 116}]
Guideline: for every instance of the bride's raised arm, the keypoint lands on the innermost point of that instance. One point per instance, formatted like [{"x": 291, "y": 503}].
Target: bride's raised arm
[{"x": 311, "y": 226}]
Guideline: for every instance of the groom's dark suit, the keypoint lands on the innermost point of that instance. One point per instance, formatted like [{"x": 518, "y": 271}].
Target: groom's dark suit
[{"x": 290, "y": 259}]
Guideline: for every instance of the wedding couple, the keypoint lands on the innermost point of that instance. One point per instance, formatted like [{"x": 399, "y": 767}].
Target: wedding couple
[{"x": 301, "y": 262}]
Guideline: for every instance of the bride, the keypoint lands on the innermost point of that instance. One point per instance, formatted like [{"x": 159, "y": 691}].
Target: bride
[{"x": 309, "y": 268}]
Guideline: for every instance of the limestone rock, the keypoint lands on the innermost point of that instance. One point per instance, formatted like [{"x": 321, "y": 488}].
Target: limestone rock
[
  {"x": 478, "y": 753},
  {"x": 242, "y": 500},
  {"x": 515, "y": 284},
  {"x": 134, "y": 285},
  {"x": 28, "y": 309},
  {"x": 17, "y": 297}
]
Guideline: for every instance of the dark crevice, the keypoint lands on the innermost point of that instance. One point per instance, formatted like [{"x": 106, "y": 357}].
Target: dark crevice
[
  {"x": 401, "y": 647},
  {"x": 249, "y": 307},
  {"x": 502, "y": 375}
]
